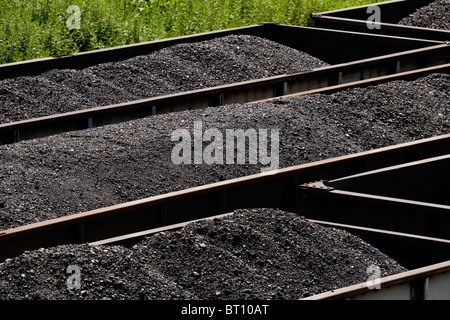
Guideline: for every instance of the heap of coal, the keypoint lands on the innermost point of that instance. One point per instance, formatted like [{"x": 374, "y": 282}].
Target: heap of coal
[
  {"x": 436, "y": 15},
  {"x": 252, "y": 254}
]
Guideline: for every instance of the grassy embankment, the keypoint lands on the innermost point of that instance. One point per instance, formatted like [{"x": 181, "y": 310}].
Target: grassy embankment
[{"x": 32, "y": 29}]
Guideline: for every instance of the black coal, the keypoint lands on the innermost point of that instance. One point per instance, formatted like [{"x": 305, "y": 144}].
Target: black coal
[{"x": 436, "y": 15}]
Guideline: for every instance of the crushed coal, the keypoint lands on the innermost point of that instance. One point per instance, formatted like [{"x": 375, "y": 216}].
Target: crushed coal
[
  {"x": 253, "y": 254},
  {"x": 84, "y": 170},
  {"x": 435, "y": 15},
  {"x": 179, "y": 68}
]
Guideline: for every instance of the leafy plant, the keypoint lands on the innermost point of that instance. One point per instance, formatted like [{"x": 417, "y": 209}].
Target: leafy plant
[{"x": 32, "y": 29}]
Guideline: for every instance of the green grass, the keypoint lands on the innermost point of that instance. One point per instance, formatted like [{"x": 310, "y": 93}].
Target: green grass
[{"x": 32, "y": 29}]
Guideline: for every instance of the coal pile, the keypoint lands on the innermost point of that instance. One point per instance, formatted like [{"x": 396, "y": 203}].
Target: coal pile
[
  {"x": 179, "y": 68},
  {"x": 78, "y": 171},
  {"x": 253, "y": 254},
  {"x": 111, "y": 272},
  {"x": 436, "y": 15}
]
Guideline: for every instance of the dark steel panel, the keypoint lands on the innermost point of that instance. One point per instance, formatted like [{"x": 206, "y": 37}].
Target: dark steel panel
[
  {"x": 410, "y": 251},
  {"x": 426, "y": 181},
  {"x": 347, "y": 46},
  {"x": 409, "y": 198}
]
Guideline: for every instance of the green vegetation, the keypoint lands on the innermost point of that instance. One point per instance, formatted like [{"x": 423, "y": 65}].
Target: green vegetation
[{"x": 32, "y": 29}]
